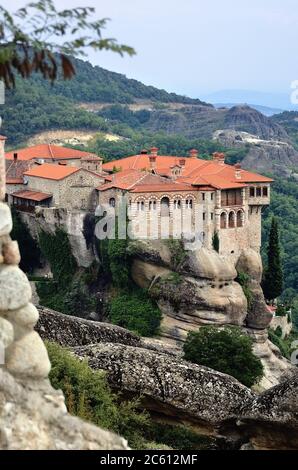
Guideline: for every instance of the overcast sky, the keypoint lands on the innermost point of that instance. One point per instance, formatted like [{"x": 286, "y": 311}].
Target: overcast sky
[{"x": 195, "y": 47}]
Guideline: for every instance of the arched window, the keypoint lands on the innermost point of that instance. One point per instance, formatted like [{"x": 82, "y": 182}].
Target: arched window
[
  {"x": 177, "y": 204},
  {"x": 152, "y": 205},
  {"x": 223, "y": 220},
  {"x": 140, "y": 205},
  {"x": 231, "y": 219},
  {"x": 239, "y": 219},
  {"x": 112, "y": 202},
  {"x": 188, "y": 204},
  {"x": 165, "y": 206}
]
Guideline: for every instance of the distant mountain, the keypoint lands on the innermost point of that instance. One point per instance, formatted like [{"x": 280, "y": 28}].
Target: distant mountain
[
  {"x": 262, "y": 109},
  {"x": 280, "y": 101}
]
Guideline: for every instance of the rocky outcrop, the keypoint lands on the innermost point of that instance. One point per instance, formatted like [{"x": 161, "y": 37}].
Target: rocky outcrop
[
  {"x": 264, "y": 154},
  {"x": 195, "y": 288},
  {"x": 72, "y": 222},
  {"x": 33, "y": 417},
  {"x": 171, "y": 386},
  {"x": 211, "y": 402},
  {"x": 271, "y": 420},
  {"x": 73, "y": 331}
]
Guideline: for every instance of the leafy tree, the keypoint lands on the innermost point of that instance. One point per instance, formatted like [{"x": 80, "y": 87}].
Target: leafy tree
[
  {"x": 273, "y": 275},
  {"x": 30, "y": 40},
  {"x": 136, "y": 311},
  {"x": 78, "y": 301},
  {"x": 215, "y": 242},
  {"x": 227, "y": 350}
]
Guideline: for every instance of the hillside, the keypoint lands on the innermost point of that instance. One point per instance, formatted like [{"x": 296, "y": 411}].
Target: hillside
[
  {"x": 64, "y": 105},
  {"x": 289, "y": 121}
]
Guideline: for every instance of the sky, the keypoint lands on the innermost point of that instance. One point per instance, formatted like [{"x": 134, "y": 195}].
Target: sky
[{"x": 197, "y": 47}]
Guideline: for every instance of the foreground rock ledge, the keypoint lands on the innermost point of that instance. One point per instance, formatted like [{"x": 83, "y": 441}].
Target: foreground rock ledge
[
  {"x": 33, "y": 417},
  {"x": 211, "y": 402},
  {"x": 171, "y": 386}
]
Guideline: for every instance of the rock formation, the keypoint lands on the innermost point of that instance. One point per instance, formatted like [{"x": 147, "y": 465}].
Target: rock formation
[
  {"x": 201, "y": 290},
  {"x": 264, "y": 154},
  {"x": 32, "y": 413},
  {"x": 177, "y": 391}
]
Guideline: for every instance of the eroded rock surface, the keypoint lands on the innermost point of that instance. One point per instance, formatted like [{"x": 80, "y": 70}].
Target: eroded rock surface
[{"x": 33, "y": 417}]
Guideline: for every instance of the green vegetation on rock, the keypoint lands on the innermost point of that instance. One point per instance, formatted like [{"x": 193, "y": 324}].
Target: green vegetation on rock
[
  {"x": 228, "y": 350},
  {"x": 29, "y": 250},
  {"x": 88, "y": 396}
]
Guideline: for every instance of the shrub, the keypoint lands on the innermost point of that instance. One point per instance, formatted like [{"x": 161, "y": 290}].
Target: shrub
[
  {"x": 244, "y": 279},
  {"x": 136, "y": 311},
  {"x": 88, "y": 396},
  {"x": 281, "y": 311},
  {"x": 278, "y": 331},
  {"x": 227, "y": 350}
]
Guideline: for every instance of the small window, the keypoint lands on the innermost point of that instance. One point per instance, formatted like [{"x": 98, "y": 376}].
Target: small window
[
  {"x": 152, "y": 205},
  {"x": 203, "y": 196},
  {"x": 211, "y": 216},
  {"x": 140, "y": 205},
  {"x": 188, "y": 203},
  {"x": 265, "y": 191},
  {"x": 212, "y": 196},
  {"x": 204, "y": 215},
  {"x": 252, "y": 192},
  {"x": 177, "y": 204},
  {"x": 259, "y": 192},
  {"x": 112, "y": 202}
]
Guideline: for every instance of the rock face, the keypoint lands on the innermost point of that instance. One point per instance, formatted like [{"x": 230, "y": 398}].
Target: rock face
[
  {"x": 211, "y": 402},
  {"x": 194, "y": 393},
  {"x": 200, "y": 289},
  {"x": 32, "y": 413},
  {"x": 271, "y": 420},
  {"x": 49, "y": 219},
  {"x": 266, "y": 153},
  {"x": 33, "y": 417},
  {"x": 72, "y": 331}
]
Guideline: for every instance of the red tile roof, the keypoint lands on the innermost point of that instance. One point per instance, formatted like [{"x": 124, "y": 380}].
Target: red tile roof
[
  {"x": 51, "y": 172},
  {"x": 48, "y": 151},
  {"x": 32, "y": 195},
  {"x": 195, "y": 171}
]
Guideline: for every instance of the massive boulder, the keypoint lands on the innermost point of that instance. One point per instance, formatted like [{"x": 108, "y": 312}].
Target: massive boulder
[{"x": 173, "y": 387}]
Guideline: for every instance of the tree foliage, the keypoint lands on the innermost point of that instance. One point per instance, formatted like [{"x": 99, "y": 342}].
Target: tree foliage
[
  {"x": 31, "y": 40},
  {"x": 273, "y": 275},
  {"x": 227, "y": 350},
  {"x": 136, "y": 311}
]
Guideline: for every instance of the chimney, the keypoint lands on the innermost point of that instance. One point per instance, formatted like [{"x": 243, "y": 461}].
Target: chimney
[
  {"x": 182, "y": 161},
  {"x": 193, "y": 153},
  {"x": 219, "y": 157},
  {"x": 152, "y": 161},
  {"x": 237, "y": 167},
  {"x": 153, "y": 151},
  {"x": 15, "y": 157}
]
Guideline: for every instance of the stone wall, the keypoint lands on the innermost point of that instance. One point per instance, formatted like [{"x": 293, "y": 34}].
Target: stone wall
[{"x": 32, "y": 413}]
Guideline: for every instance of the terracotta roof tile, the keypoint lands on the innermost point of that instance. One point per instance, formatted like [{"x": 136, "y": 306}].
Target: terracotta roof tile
[
  {"x": 195, "y": 171},
  {"x": 48, "y": 151},
  {"x": 52, "y": 172},
  {"x": 32, "y": 195}
]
